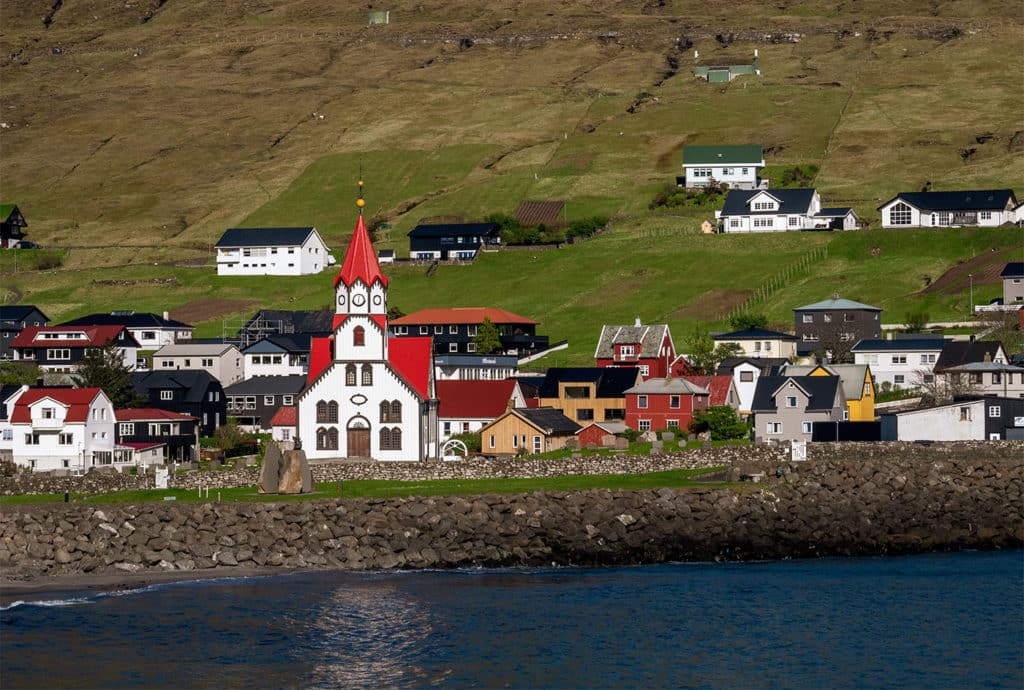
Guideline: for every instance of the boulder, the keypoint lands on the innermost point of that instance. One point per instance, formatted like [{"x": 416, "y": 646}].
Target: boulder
[
  {"x": 271, "y": 469},
  {"x": 291, "y": 472}
]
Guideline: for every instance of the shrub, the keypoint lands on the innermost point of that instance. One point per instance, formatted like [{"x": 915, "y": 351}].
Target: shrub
[
  {"x": 471, "y": 439},
  {"x": 585, "y": 227},
  {"x": 722, "y": 421}
]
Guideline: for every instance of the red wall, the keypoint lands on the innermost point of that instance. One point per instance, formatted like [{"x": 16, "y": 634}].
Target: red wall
[{"x": 658, "y": 410}]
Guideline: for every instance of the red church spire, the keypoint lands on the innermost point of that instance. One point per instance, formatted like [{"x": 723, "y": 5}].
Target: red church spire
[{"x": 360, "y": 258}]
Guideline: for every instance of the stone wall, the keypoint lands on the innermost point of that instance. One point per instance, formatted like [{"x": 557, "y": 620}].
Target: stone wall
[{"x": 868, "y": 505}]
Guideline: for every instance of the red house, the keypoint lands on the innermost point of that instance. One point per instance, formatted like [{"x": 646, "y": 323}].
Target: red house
[
  {"x": 648, "y": 347},
  {"x": 593, "y": 434},
  {"x": 664, "y": 404},
  {"x": 722, "y": 388}
]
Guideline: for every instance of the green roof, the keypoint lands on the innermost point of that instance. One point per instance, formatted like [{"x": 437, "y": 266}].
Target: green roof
[
  {"x": 718, "y": 155},
  {"x": 6, "y": 210}
]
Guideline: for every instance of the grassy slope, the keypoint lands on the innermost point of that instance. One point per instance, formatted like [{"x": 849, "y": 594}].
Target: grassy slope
[{"x": 143, "y": 159}]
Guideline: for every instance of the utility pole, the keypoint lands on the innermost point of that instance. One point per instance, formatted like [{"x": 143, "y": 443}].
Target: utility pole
[{"x": 970, "y": 276}]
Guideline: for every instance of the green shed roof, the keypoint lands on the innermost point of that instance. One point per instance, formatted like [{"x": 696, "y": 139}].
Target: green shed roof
[{"x": 711, "y": 155}]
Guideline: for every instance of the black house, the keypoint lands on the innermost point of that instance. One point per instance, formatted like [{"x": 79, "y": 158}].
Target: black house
[
  {"x": 12, "y": 226},
  {"x": 834, "y": 326},
  {"x": 13, "y": 320},
  {"x": 267, "y": 322},
  {"x": 191, "y": 392},
  {"x": 254, "y": 401},
  {"x": 180, "y": 432},
  {"x": 451, "y": 241}
]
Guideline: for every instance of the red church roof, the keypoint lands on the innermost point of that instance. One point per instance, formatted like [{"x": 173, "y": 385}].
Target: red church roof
[
  {"x": 320, "y": 357},
  {"x": 456, "y": 315},
  {"x": 413, "y": 359},
  {"x": 77, "y": 400},
  {"x": 718, "y": 385},
  {"x": 285, "y": 416},
  {"x": 150, "y": 413},
  {"x": 474, "y": 399},
  {"x": 360, "y": 259}
]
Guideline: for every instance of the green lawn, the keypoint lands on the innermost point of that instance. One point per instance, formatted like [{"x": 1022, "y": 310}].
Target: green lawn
[{"x": 388, "y": 489}]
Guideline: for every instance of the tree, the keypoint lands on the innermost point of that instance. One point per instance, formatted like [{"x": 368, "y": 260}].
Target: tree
[
  {"x": 19, "y": 373},
  {"x": 722, "y": 421},
  {"x": 835, "y": 342},
  {"x": 742, "y": 322},
  {"x": 1002, "y": 326},
  {"x": 916, "y": 321},
  {"x": 702, "y": 354},
  {"x": 938, "y": 389},
  {"x": 487, "y": 340},
  {"x": 104, "y": 368},
  {"x": 394, "y": 312},
  {"x": 228, "y": 436}
]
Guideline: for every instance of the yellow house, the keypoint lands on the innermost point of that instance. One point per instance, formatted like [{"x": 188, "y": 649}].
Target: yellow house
[
  {"x": 528, "y": 430},
  {"x": 589, "y": 394},
  {"x": 857, "y": 384}
]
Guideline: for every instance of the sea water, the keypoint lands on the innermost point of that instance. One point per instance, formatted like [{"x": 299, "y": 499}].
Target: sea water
[{"x": 931, "y": 621}]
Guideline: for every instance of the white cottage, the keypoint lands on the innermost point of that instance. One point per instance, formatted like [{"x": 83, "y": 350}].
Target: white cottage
[
  {"x": 367, "y": 396},
  {"x": 64, "y": 429},
  {"x": 271, "y": 252},
  {"x": 986, "y": 207},
  {"x": 735, "y": 165},
  {"x": 781, "y": 210}
]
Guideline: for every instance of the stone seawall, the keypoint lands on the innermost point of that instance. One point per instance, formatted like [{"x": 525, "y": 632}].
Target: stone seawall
[{"x": 873, "y": 505}]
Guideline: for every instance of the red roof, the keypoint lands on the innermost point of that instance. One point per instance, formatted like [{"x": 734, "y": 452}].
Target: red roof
[
  {"x": 320, "y": 357},
  {"x": 455, "y": 315},
  {"x": 141, "y": 445},
  {"x": 360, "y": 259},
  {"x": 413, "y": 359},
  {"x": 150, "y": 413},
  {"x": 77, "y": 400},
  {"x": 718, "y": 385},
  {"x": 474, "y": 399},
  {"x": 96, "y": 336},
  {"x": 285, "y": 416}
]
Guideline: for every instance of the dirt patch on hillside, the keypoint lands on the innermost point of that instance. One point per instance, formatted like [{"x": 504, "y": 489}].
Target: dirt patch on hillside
[
  {"x": 207, "y": 308},
  {"x": 985, "y": 267},
  {"x": 710, "y": 305}
]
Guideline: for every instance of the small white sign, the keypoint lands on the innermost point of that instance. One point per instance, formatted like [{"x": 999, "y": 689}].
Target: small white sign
[
  {"x": 798, "y": 451},
  {"x": 1018, "y": 421},
  {"x": 161, "y": 477}
]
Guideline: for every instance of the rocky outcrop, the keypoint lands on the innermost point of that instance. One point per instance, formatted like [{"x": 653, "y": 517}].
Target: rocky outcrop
[{"x": 824, "y": 507}]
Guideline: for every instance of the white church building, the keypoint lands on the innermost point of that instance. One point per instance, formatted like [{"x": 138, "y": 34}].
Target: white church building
[{"x": 366, "y": 396}]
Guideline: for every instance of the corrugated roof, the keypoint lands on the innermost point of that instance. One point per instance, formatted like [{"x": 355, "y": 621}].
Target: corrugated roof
[
  {"x": 461, "y": 315},
  {"x": 264, "y": 237},
  {"x": 675, "y": 386},
  {"x": 821, "y": 391},
  {"x": 613, "y": 428},
  {"x": 76, "y": 400},
  {"x": 967, "y": 200},
  {"x": 735, "y": 154},
  {"x": 19, "y": 312},
  {"x": 737, "y": 201},
  {"x": 474, "y": 399},
  {"x": 836, "y": 304},
  {"x": 532, "y": 213},
  {"x": 454, "y": 230},
  {"x": 648, "y": 337}
]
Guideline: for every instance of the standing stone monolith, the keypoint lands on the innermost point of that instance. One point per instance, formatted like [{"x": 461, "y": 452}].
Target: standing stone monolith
[{"x": 269, "y": 473}]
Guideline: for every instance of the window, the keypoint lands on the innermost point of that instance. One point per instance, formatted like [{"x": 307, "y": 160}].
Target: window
[
  {"x": 126, "y": 429},
  {"x": 167, "y": 395},
  {"x": 536, "y": 444},
  {"x": 206, "y": 362},
  {"x": 805, "y": 427},
  {"x": 59, "y": 353},
  {"x": 746, "y": 376},
  {"x": 774, "y": 428},
  {"x": 166, "y": 363},
  {"x": 995, "y": 411},
  {"x": 453, "y": 347},
  {"x": 401, "y": 330},
  {"x": 644, "y": 425},
  {"x": 49, "y": 413},
  {"x": 928, "y": 378},
  {"x": 899, "y": 214},
  {"x": 268, "y": 400},
  {"x": 793, "y": 221},
  {"x": 626, "y": 350},
  {"x": 326, "y": 412},
  {"x": 584, "y": 415},
  {"x": 985, "y": 215},
  {"x": 438, "y": 330},
  {"x": 367, "y": 375},
  {"x": 65, "y": 439},
  {"x": 8, "y": 434},
  {"x": 899, "y": 359},
  {"x": 390, "y": 439},
  {"x": 391, "y": 412},
  {"x": 746, "y": 171},
  {"x": 927, "y": 359},
  {"x": 974, "y": 379},
  {"x": 899, "y": 378},
  {"x": 350, "y": 374},
  {"x": 767, "y": 346},
  {"x": 672, "y": 423},
  {"x": 515, "y": 441},
  {"x": 470, "y": 347},
  {"x": 358, "y": 336},
  {"x": 849, "y": 318},
  {"x": 99, "y": 413},
  {"x": 453, "y": 330},
  {"x": 757, "y": 346},
  {"x": 997, "y": 377},
  {"x": 965, "y": 414},
  {"x": 734, "y": 222},
  {"x": 727, "y": 171},
  {"x": 645, "y": 370},
  {"x": 790, "y": 401},
  {"x": 807, "y": 318},
  {"x": 674, "y": 401},
  {"x": 472, "y": 330},
  {"x": 827, "y": 318},
  {"x": 762, "y": 222},
  {"x": 490, "y": 441},
  {"x": 287, "y": 399},
  {"x": 614, "y": 414},
  {"x": 326, "y": 439},
  {"x": 577, "y": 392},
  {"x": 424, "y": 330},
  {"x": 31, "y": 439},
  {"x": 641, "y": 401}
]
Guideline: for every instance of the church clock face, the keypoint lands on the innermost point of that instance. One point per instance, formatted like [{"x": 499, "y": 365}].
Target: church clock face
[
  {"x": 377, "y": 300},
  {"x": 341, "y": 300},
  {"x": 358, "y": 300}
]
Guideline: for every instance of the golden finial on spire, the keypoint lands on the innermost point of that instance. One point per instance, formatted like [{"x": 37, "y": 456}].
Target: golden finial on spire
[{"x": 360, "y": 202}]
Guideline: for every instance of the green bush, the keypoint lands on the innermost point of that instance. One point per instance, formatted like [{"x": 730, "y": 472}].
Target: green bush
[
  {"x": 471, "y": 439},
  {"x": 722, "y": 421}
]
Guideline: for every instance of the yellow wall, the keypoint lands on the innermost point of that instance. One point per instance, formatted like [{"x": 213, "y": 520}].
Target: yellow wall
[
  {"x": 861, "y": 409},
  {"x": 570, "y": 406},
  {"x": 505, "y": 428}
]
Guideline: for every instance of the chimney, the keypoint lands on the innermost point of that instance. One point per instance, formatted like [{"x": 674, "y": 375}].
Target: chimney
[
  {"x": 755, "y": 52},
  {"x": 167, "y": 315},
  {"x": 835, "y": 295},
  {"x": 987, "y": 358}
]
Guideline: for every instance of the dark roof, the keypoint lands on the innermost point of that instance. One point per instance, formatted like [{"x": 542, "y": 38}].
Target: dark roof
[
  {"x": 128, "y": 319},
  {"x": 790, "y": 201},
  {"x": 820, "y": 389},
  {"x": 966, "y": 200},
  {"x": 19, "y": 312},
  {"x": 268, "y": 385},
  {"x": 530, "y": 385},
  {"x": 264, "y": 237},
  {"x": 612, "y": 382},
  {"x": 959, "y": 352},
  {"x": 195, "y": 382},
  {"x": 454, "y": 229},
  {"x": 754, "y": 334},
  {"x": 313, "y": 322},
  {"x": 1014, "y": 269},
  {"x": 734, "y": 154},
  {"x": 385, "y": 252},
  {"x": 879, "y": 345},
  {"x": 6, "y": 391},
  {"x": 285, "y": 342},
  {"x": 550, "y": 419},
  {"x": 837, "y": 212},
  {"x": 767, "y": 364}
]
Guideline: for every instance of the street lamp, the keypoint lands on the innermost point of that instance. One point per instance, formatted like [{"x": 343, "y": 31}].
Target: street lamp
[{"x": 970, "y": 276}]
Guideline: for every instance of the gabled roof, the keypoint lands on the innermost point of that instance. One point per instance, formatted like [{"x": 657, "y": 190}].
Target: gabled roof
[
  {"x": 613, "y": 428},
  {"x": 979, "y": 367},
  {"x": 360, "y": 260},
  {"x": 735, "y": 154},
  {"x": 315, "y": 322},
  {"x": 719, "y": 386},
  {"x": 298, "y": 343},
  {"x": 851, "y": 376},
  {"x": 320, "y": 357},
  {"x": 610, "y": 382},
  {"x": 836, "y": 212},
  {"x": 900, "y": 345},
  {"x": 546, "y": 419},
  {"x": 461, "y": 315},
  {"x": 835, "y": 304},
  {"x": 821, "y": 391},
  {"x": 6, "y": 391},
  {"x": 129, "y": 320},
  {"x": 19, "y": 312},
  {"x": 479, "y": 399},
  {"x": 265, "y": 237},
  {"x": 195, "y": 382},
  {"x": 754, "y": 334},
  {"x": 1013, "y": 269},
  {"x": 286, "y": 415},
  {"x": 966, "y": 200},
  {"x": 765, "y": 364},
  {"x": 648, "y": 337},
  {"x": 412, "y": 358},
  {"x": 958, "y": 352},
  {"x": 667, "y": 386},
  {"x": 790, "y": 201},
  {"x": 141, "y": 445},
  {"x": 194, "y": 350},
  {"x": 150, "y": 414},
  {"x": 95, "y": 336},
  {"x": 268, "y": 385},
  {"x": 77, "y": 400},
  {"x": 454, "y": 230}
]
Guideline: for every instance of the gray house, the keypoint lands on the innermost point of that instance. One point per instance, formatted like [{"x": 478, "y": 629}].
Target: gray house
[
  {"x": 785, "y": 408},
  {"x": 1013, "y": 283}
]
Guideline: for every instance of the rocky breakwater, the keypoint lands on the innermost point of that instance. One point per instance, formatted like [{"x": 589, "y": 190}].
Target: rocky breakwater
[{"x": 827, "y": 507}]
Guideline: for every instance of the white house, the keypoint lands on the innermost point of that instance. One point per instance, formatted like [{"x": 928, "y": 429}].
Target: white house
[
  {"x": 985, "y": 207},
  {"x": 222, "y": 361},
  {"x": 368, "y": 396},
  {"x": 745, "y": 373},
  {"x": 990, "y": 378},
  {"x": 781, "y": 210},
  {"x": 760, "y": 342},
  {"x": 271, "y": 252},
  {"x": 150, "y": 330},
  {"x": 283, "y": 427},
  {"x": 736, "y": 165},
  {"x": 65, "y": 429},
  {"x": 278, "y": 355},
  {"x": 473, "y": 367},
  {"x": 901, "y": 362}
]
